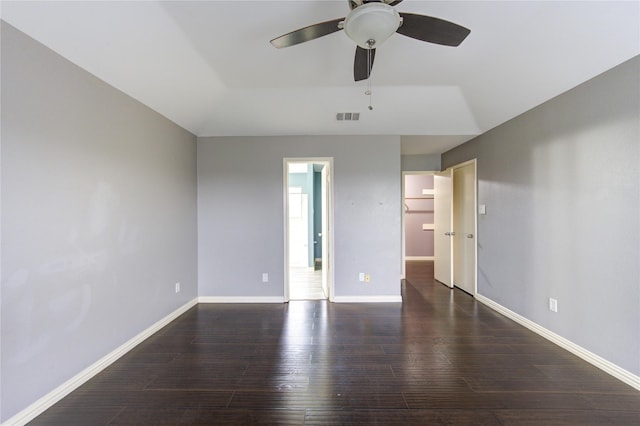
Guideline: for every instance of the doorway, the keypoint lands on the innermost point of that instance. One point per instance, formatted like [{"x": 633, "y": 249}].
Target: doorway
[
  {"x": 308, "y": 228},
  {"x": 417, "y": 218}
]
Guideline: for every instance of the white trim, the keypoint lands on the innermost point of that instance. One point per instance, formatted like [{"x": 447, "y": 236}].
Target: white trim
[
  {"x": 285, "y": 226},
  {"x": 367, "y": 299},
  {"x": 241, "y": 299},
  {"x": 596, "y": 360},
  {"x": 42, "y": 404},
  {"x": 463, "y": 164},
  {"x": 419, "y": 258}
]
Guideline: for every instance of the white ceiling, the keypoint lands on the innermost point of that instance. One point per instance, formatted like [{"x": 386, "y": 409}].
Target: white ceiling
[{"x": 209, "y": 66}]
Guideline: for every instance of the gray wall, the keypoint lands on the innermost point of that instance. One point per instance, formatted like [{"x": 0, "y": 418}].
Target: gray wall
[
  {"x": 98, "y": 219},
  {"x": 561, "y": 185},
  {"x": 421, "y": 163},
  {"x": 241, "y": 222}
]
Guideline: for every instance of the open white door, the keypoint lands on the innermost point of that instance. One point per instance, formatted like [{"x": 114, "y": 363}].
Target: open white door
[
  {"x": 443, "y": 246},
  {"x": 464, "y": 225}
]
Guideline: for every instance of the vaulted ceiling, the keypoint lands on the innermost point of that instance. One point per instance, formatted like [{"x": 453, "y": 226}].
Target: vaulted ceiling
[{"x": 209, "y": 66}]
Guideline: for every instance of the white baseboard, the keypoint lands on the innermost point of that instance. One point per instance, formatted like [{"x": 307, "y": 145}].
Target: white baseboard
[
  {"x": 367, "y": 299},
  {"x": 240, "y": 299},
  {"x": 42, "y": 404},
  {"x": 607, "y": 366},
  {"x": 410, "y": 258},
  {"x": 278, "y": 299}
]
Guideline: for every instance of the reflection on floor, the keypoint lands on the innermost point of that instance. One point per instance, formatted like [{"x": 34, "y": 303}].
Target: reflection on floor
[
  {"x": 306, "y": 284},
  {"x": 439, "y": 357}
]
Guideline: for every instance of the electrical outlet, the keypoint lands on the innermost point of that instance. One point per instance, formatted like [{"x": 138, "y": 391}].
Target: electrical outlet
[
  {"x": 265, "y": 277},
  {"x": 361, "y": 277},
  {"x": 553, "y": 304},
  {"x": 177, "y": 287},
  {"x": 367, "y": 278}
]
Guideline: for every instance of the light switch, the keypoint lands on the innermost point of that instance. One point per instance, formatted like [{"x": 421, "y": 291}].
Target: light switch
[{"x": 482, "y": 209}]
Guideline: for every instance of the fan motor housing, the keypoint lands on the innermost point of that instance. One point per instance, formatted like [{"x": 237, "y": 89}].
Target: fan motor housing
[
  {"x": 371, "y": 24},
  {"x": 357, "y": 3}
]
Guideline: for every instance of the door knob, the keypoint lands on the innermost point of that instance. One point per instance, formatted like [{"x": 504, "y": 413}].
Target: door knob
[
  {"x": 469, "y": 235},
  {"x": 448, "y": 234}
]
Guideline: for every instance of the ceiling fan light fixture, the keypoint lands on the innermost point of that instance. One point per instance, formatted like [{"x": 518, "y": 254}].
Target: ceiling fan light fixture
[{"x": 371, "y": 24}]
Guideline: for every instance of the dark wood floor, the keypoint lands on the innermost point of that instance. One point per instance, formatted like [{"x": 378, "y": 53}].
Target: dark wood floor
[{"x": 438, "y": 358}]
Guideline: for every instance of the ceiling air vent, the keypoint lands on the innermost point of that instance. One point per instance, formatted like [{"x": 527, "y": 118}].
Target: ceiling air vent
[{"x": 348, "y": 116}]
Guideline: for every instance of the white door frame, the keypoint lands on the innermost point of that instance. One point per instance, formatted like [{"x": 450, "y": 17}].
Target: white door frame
[
  {"x": 404, "y": 212},
  {"x": 475, "y": 218},
  {"x": 327, "y": 236}
]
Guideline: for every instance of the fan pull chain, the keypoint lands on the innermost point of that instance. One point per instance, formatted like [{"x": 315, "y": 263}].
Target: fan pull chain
[{"x": 369, "y": 92}]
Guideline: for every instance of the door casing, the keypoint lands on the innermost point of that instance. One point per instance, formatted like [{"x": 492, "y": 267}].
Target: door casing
[{"x": 403, "y": 218}]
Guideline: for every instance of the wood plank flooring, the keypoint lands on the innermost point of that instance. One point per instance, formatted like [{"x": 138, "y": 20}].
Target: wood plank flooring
[
  {"x": 438, "y": 358},
  {"x": 306, "y": 284}
]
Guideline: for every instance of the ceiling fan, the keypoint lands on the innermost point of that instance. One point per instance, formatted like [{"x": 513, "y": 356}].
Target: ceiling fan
[{"x": 370, "y": 23}]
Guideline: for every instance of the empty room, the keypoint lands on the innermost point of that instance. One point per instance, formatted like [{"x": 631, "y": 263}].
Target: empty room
[{"x": 320, "y": 212}]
